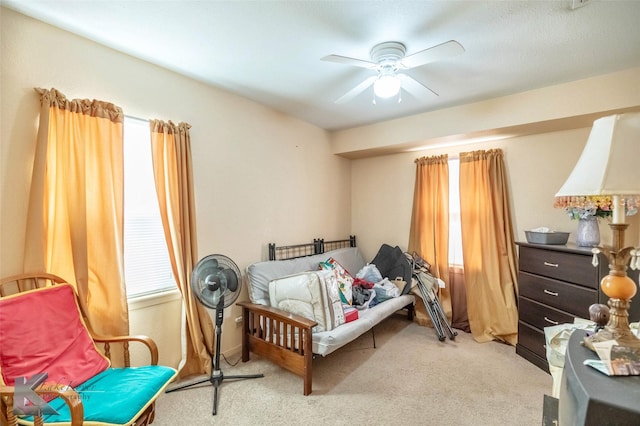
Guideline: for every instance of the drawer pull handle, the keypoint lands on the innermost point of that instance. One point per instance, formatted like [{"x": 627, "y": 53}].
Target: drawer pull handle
[
  {"x": 552, "y": 293},
  {"x": 551, "y": 321},
  {"x": 555, "y": 265}
]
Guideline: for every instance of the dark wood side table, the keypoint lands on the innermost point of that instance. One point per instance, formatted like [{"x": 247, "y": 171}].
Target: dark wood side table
[{"x": 589, "y": 397}]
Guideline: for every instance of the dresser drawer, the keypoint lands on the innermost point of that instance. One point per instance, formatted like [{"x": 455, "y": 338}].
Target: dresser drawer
[
  {"x": 532, "y": 339},
  {"x": 571, "y": 267},
  {"x": 541, "y": 316},
  {"x": 564, "y": 296}
]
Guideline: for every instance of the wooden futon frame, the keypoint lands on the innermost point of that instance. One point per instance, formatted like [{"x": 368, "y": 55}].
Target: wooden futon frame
[{"x": 289, "y": 344}]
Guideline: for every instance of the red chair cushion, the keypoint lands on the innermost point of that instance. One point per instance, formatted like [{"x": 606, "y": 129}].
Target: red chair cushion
[{"x": 42, "y": 331}]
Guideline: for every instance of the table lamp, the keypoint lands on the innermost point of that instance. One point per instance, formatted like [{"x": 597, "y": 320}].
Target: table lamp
[{"x": 609, "y": 170}]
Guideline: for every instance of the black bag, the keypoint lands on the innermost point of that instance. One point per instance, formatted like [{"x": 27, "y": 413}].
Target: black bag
[{"x": 392, "y": 263}]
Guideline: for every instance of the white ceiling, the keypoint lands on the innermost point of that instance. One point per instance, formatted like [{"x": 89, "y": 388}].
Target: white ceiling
[{"x": 270, "y": 51}]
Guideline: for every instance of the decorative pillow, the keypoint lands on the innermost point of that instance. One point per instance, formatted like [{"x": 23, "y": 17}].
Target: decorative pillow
[
  {"x": 43, "y": 332},
  {"x": 345, "y": 280}
]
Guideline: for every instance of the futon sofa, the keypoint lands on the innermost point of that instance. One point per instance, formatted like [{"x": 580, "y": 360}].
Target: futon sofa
[{"x": 289, "y": 340}]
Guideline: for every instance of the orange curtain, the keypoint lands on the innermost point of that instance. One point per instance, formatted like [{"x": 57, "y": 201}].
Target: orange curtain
[
  {"x": 75, "y": 218},
  {"x": 488, "y": 247},
  {"x": 429, "y": 234},
  {"x": 172, "y": 168}
]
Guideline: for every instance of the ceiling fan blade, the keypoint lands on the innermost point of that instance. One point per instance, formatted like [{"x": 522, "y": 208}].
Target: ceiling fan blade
[
  {"x": 413, "y": 86},
  {"x": 356, "y": 90},
  {"x": 350, "y": 61},
  {"x": 441, "y": 51}
]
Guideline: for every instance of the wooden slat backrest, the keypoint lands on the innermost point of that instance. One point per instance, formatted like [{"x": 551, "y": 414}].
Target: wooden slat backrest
[{"x": 25, "y": 282}]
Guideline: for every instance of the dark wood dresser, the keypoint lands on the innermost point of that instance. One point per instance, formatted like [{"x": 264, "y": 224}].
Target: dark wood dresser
[{"x": 557, "y": 283}]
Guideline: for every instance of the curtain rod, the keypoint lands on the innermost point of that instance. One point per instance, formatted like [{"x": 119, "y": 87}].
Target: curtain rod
[{"x": 136, "y": 118}]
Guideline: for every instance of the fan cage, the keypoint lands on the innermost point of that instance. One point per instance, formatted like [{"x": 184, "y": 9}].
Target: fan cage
[{"x": 201, "y": 270}]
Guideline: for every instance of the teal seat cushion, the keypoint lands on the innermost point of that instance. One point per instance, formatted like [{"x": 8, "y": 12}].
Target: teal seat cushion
[{"x": 117, "y": 396}]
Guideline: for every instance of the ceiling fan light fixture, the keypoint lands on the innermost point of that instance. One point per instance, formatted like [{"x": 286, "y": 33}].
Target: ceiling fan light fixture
[{"x": 386, "y": 86}]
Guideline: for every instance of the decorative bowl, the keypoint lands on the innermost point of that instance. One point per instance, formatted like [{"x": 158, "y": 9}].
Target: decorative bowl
[{"x": 551, "y": 238}]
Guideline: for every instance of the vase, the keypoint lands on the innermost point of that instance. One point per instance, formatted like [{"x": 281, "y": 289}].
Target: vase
[{"x": 588, "y": 234}]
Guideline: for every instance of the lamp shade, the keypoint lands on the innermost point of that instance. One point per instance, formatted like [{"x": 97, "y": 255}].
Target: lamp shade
[
  {"x": 608, "y": 168},
  {"x": 610, "y": 161}
]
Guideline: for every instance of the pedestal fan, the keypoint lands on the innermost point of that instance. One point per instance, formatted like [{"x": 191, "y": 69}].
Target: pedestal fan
[{"x": 216, "y": 283}]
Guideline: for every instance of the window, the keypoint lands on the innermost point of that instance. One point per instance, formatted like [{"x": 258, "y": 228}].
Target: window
[
  {"x": 147, "y": 268},
  {"x": 455, "y": 230}
]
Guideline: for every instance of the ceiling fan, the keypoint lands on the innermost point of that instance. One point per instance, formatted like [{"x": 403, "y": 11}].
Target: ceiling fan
[{"x": 388, "y": 60}]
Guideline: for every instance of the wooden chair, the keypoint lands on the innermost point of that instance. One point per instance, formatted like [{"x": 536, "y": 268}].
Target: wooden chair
[{"x": 34, "y": 308}]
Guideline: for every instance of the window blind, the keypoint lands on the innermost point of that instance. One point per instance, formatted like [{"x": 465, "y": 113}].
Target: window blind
[{"x": 147, "y": 268}]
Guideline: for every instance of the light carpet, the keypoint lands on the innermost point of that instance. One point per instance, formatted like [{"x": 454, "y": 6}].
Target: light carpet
[{"x": 409, "y": 378}]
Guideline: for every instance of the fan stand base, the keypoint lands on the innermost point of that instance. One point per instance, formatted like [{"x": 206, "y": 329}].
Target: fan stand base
[
  {"x": 217, "y": 377},
  {"x": 216, "y": 380}
]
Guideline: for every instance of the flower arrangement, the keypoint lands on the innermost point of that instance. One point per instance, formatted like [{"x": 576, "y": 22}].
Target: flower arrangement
[{"x": 595, "y": 206}]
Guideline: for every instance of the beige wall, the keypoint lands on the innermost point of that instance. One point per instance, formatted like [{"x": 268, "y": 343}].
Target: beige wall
[
  {"x": 260, "y": 176},
  {"x": 537, "y": 166},
  {"x": 565, "y": 106},
  {"x": 542, "y": 133}
]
